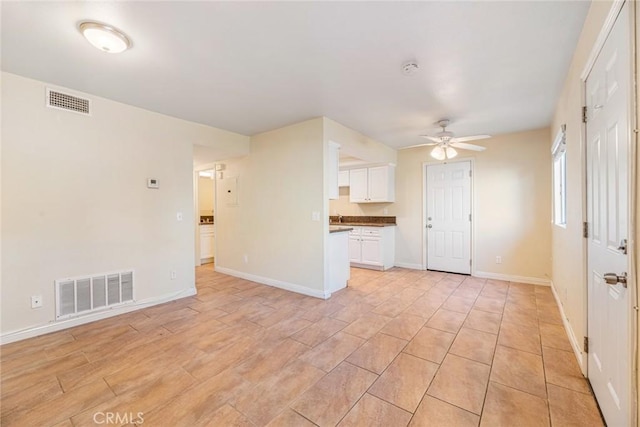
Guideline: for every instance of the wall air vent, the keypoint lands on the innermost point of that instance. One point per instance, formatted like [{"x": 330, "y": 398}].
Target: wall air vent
[
  {"x": 84, "y": 295},
  {"x": 67, "y": 102}
]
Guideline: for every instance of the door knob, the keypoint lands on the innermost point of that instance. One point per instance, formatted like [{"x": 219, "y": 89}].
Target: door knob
[
  {"x": 613, "y": 279},
  {"x": 429, "y": 226}
]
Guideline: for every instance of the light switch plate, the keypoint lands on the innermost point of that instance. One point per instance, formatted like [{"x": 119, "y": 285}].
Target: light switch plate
[
  {"x": 315, "y": 216},
  {"x": 179, "y": 216}
]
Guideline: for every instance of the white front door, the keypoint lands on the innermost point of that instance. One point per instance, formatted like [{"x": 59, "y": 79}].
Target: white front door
[
  {"x": 449, "y": 217},
  {"x": 607, "y": 135}
]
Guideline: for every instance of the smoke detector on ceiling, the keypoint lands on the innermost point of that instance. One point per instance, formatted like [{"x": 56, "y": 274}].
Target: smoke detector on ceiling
[{"x": 410, "y": 68}]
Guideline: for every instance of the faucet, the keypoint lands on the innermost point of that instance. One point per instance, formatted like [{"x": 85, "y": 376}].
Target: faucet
[{"x": 339, "y": 219}]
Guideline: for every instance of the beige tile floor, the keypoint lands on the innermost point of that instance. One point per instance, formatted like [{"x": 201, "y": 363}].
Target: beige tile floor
[{"x": 396, "y": 348}]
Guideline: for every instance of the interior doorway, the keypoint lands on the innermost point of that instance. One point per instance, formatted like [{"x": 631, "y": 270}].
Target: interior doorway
[
  {"x": 448, "y": 216},
  {"x": 205, "y": 189}
]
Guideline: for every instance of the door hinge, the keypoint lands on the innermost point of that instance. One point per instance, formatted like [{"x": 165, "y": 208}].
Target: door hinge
[
  {"x": 585, "y": 229},
  {"x": 586, "y": 345},
  {"x": 469, "y": 173},
  {"x": 584, "y": 114},
  {"x": 469, "y": 261},
  {"x": 469, "y": 217}
]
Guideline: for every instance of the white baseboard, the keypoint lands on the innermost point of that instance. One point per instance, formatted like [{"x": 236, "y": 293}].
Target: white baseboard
[
  {"x": 76, "y": 321},
  {"x": 275, "y": 283},
  {"x": 409, "y": 265},
  {"x": 510, "y": 278},
  {"x": 581, "y": 356}
]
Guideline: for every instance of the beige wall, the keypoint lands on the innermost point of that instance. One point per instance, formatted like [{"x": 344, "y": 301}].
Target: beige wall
[
  {"x": 357, "y": 145},
  {"x": 280, "y": 184},
  {"x": 512, "y": 192},
  {"x": 568, "y": 271},
  {"x": 75, "y": 202},
  {"x": 205, "y": 195}
]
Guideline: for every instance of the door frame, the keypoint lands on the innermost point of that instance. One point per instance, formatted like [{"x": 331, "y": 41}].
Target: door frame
[
  {"x": 196, "y": 206},
  {"x": 471, "y": 161},
  {"x": 634, "y": 357}
]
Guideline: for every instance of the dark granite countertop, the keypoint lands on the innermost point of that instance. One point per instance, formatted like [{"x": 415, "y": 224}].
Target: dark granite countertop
[
  {"x": 363, "y": 221},
  {"x": 335, "y": 228},
  {"x": 363, "y": 224}
]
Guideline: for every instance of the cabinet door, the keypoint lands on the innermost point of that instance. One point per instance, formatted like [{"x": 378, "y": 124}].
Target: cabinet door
[
  {"x": 379, "y": 184},
  {"x": 355, "y": 249},
  {"x": 371, "y": 251},
  {"x": 358, "y": 191},
  {"x": 206, "y": 245}
]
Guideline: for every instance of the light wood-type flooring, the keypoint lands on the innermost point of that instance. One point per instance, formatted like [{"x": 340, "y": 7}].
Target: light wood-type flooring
[{"x": 395, "y": 348}]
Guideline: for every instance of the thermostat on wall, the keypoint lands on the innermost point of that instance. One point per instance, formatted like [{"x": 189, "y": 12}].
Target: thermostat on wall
[{"x": 152, "y": 183}]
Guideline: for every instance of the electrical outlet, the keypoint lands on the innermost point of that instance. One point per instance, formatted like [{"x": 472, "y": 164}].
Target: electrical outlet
[
  {"x": 173, "y": 274},
  {"x": 315, "y": 216},
  {"x": 498, "y": 259},
  {"x": 385, "y": 211},
  {"x": 179, "y": 216},
  {"x": 245, "y": 258},
  {"x": 36, "y": 301}
]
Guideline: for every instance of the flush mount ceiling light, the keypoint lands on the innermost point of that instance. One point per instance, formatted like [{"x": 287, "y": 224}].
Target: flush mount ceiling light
[{"x": 104, "y": 37}]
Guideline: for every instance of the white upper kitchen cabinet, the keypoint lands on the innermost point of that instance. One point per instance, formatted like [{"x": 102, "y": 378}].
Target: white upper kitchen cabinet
[
  {"x": 334, "y": 159},
  {"x": 343, "y": 179},
  {"x": 372, "y": 185}
]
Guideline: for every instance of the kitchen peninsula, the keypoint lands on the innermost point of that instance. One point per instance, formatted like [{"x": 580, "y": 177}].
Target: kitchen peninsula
[
  {"x": 371, "y": 241},
  {"x": 339, "y": 268}
]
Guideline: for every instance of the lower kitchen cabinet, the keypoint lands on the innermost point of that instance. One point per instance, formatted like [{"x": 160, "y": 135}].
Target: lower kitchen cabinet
[
  {"x": 207, "y": 247},
  {"x": 372, "y": 247}
]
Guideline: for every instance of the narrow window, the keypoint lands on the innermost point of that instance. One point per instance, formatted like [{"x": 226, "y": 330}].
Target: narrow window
[{"x": 559, "y": 154}]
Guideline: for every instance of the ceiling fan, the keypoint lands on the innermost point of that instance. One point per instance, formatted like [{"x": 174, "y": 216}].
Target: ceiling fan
[{"x": 445, "y": 142}]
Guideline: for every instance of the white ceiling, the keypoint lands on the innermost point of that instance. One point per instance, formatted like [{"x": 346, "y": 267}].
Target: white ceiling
[{"x": 248, "y": 67}]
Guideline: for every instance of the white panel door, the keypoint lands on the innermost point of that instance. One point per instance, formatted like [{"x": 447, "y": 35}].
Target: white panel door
[
  {"x": 449, "y": 217},
  {"x": 607, "y": 93}
]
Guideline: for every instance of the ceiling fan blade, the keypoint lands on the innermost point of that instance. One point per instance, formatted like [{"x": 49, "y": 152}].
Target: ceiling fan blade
[
  {"x": 465, "y": 146},
  {"x": 470, "y": 138},
  {"x": 419, "y": 145},
  {"x": 432, "y": 138}
]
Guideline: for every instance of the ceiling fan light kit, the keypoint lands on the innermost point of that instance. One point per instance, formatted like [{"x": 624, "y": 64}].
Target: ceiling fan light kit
[
  {"x": 438, "y": 153},
  {"x": 450, "y": 152},
  {"x": 441, "y": 152}
]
